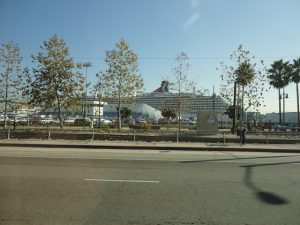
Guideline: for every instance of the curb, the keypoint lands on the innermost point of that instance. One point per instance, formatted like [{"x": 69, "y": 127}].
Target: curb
[{"x": 146, "y": 147}]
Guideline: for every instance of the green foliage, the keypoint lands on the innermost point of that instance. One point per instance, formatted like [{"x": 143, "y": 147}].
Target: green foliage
[
  {"x": 55, "y": 82},
  {"x": 121, "y": 79},
  {"x": 245, "y": 73},
  {"x": 296, "y": 71},
  {"x": 169, "y": 113},
  {"x": 230, "y": 112},
  {"x": 279, "y": 74},
  {"x": 82, "y": 122},
  {"x": 125, "y": 112}
]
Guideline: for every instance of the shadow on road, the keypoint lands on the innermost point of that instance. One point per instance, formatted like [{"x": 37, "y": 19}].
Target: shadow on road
[
  {"x": 264, "y": 196},
  {"x": 237, "y": 158}
]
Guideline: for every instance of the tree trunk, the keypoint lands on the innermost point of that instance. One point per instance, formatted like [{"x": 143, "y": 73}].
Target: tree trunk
[
  {"x": 242, "y": 102},
  {"x": 59, "y": 109},
  {"x": 179, "y": 114},
  {"x": 283, "y": 106},
  {"x": 60, "y": 118},
  {"x": 298, "y": 116},
  {"x": 6, "y": 97},
  {"x": 279, "y": 98},
  {"x": 119, "y": 115}
]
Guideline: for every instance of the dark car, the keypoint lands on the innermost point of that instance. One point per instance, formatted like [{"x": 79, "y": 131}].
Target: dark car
[{"x": 82, "y": 122}]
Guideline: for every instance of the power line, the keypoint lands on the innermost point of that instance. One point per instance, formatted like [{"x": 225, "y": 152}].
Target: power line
[
  {"x": 191, "y": 58},
  {"x": 173, "y": 58}
]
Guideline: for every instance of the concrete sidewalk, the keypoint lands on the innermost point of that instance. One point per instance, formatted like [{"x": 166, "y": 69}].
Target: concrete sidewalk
[{"x": 184, "y": 146}]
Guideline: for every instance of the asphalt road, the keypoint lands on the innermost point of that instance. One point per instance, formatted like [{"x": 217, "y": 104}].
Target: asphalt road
[{"x": 76, "y": 186}]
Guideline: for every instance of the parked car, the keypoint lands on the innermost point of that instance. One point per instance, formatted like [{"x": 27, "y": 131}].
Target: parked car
[
  {"x": 47, "y": 120},
  {"x": 2, "y": 119},
  {"x": 167, "y": 121},
  {"x": 69, "y": 121},
  {"x": 140, "y": 121},
  {"x": 21, "y": 120},
  {"x": 187, "y": 122},
  {"x": 103, "y": 122}
]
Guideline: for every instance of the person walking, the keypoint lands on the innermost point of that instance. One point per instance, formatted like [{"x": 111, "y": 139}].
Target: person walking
[{"x": 242, "y": 133}]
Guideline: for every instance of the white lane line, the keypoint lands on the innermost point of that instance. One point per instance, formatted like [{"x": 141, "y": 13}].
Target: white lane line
[{"x": 128, "y": 181}]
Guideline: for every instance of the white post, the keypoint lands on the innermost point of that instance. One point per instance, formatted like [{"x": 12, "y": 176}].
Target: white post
[{"x": 93, "y": 135}]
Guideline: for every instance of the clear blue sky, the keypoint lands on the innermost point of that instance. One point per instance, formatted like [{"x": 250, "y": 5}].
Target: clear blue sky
[{"x": 207, "y": 30}]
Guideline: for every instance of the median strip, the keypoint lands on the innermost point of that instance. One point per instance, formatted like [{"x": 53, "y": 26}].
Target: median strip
[{"x": 127, "y": 181}]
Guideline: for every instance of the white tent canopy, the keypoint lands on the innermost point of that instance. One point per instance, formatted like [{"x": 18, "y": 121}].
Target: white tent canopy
[{"x": 139, "y": 110}]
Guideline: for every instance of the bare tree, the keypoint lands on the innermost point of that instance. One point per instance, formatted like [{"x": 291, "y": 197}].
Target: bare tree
[
  {"x": 180, "y": 83},
  {"x": 10, "y": 75}
]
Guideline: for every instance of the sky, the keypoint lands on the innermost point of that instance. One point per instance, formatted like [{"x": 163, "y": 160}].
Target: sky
[{"x": 208, "y": 31}]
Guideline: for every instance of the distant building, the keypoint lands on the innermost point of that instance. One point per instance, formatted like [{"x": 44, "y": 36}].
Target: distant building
[
  {"x": 90, "y": 105},
  {"x": 93, "y": 108},
  {"x": 290, "y": 117}
]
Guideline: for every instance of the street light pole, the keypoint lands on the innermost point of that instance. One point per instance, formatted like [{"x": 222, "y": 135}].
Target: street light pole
[
  {"x": 284, "y": 96},
  {"x": 234, "y": 108},
  {"x": 86, "y": 65},
  {"x": 213, "y": 99}
]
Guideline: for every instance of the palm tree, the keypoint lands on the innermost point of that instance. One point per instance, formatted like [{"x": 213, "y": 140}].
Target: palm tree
[
  {"x": 279, "y": 76},
  {"x": 296, "y": 80}
]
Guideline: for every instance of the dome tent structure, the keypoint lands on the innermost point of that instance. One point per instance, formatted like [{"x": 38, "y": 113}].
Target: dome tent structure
[{"x": 139, "y": 110}]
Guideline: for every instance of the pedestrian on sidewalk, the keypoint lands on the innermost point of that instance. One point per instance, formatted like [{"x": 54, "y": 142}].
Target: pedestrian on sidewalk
[{"x": 241, "y": 132}]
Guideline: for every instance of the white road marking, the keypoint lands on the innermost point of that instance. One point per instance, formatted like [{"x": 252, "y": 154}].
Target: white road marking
[{"x": 128, "y": 181}]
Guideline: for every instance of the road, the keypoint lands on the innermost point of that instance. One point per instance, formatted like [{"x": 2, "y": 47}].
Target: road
[{"x": 111, "y": 187}]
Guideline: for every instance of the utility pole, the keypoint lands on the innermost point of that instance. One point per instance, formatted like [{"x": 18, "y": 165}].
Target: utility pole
[
  {"x": 284, "y": 96},
  {"x": 213, "y": 99}
]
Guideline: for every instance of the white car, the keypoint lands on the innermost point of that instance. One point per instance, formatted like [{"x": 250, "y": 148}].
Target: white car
[
  {"x": 102, "y": 122},
  {"x": 69, "y": 121},
  {"x": 105, "y": 121},
  {"x": 47, "y": 121}
]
